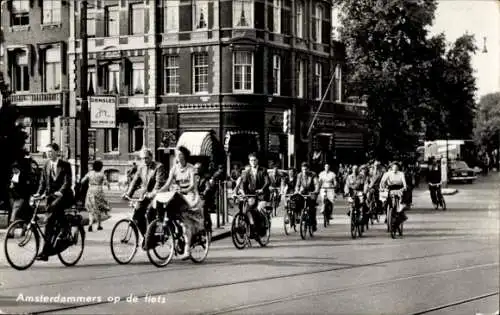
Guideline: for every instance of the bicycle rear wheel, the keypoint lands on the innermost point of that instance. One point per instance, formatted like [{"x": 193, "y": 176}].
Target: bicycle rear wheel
[
  {"x": 21, "y": 241},
  {"x": 199, "y": 251},
  {"x": 304, "y": 225},
  {"x": 71, "y": 255},
  {"x": 161, "y": 254},
  {"x": 240, "y": 230},
  {"x": 287, "y": 223},
  {"x": 354, "y": 229},
  {"x": 124, "y": 241}
]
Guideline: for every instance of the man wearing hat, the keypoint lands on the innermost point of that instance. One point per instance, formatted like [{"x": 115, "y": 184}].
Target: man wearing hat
[{"x": 307, "y": 183}]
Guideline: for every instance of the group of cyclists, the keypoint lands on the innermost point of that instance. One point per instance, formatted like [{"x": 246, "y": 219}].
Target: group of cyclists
[{"x": 267, "y": 187}]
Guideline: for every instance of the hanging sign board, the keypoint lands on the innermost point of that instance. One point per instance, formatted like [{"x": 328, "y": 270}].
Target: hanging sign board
[{"x": 102, "y": 111}]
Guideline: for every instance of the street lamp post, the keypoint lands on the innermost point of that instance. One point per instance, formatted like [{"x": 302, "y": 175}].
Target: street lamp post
[{"x": 84, "y": 110}]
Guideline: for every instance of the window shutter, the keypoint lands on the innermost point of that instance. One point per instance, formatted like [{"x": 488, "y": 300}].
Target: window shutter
[
  {"x": 32, "y": 59},
  {"x": 41, "y": 60},
  {"x": 100, "y": 74},
  {"x": 259, "y": 15},
  {"x": 226, "y": 14},
  {"x": 126, "y": 73},
  {"x": 270, "y": 18},
  {"x": 63, "y": 58},
  {"x": 313, "y": 29}
]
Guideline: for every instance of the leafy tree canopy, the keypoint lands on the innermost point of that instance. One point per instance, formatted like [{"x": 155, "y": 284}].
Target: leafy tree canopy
[{"x": 487, "y": 122}]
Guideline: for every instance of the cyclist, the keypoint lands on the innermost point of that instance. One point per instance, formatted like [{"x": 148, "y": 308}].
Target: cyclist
[
  {"x": 373, "y": 184},
  {"x": 434, "y": 177},
  {"x": 55, "y": 183},
  {"x": 151, "y": 177},
  {"x": 307, "y": 183},
  {"x": 327, "y": 184},
  {"x": 291, "y": 181},
  {"x": 275, "y": 183},
  {"x": 394, "y": 179},
  {"x": 255, "y": 181},
  {"x": 355, "y": 182}
]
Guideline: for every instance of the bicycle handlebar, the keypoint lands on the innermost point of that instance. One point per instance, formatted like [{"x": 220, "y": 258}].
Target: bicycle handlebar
[
  {"x": 133, "y": 199},
  {"x": 42, "y": 197}
]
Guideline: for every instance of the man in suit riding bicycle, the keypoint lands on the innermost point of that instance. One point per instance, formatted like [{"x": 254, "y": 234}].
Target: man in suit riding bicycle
[{"x": 307, "y": 183}]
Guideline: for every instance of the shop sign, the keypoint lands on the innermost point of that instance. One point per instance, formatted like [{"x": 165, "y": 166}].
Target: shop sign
[{"x": 102, "y": 111}]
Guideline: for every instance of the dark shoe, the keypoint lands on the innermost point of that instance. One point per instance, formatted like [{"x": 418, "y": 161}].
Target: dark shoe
[
  {"x": 42, "y": 257},
  {"x": 348, "y": 213},
  {"x": 99, "y": 228},
  {"x": 90, "y": 228},
  {"x": 315, "y": 228}
]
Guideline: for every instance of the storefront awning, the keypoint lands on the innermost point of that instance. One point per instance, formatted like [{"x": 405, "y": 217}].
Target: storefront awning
[
  {"x": 229, "y": 134},
  {"x": 199, "y": 143},
  {"x": 347, "y": 140}
]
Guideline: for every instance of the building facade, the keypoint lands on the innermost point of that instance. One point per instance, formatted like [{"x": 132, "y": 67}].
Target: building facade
[
  {"x": 214, "y": 75},
  {"x": 35, "y": 36}
]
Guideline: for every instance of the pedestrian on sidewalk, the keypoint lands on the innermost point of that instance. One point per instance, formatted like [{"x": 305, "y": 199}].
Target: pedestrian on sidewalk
[{"x": 95, "y": 202}]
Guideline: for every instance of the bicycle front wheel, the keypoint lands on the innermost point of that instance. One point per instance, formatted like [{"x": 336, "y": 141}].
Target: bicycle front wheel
[
  {"x": 124, "y": 241},
  {"x": 304, "y": 226},
  {"x": 161, "y": 254},
  {"x": 263, "y": 240},
  {"x": 21, "y": 244},
  {"x": 71, "y": 255}
]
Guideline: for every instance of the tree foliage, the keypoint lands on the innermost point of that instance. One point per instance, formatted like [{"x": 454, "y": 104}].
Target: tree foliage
[
  {"x": 487, "y": 122},
  {"x": 12, "y": 138},
  {"x": 414, "y": 85}
]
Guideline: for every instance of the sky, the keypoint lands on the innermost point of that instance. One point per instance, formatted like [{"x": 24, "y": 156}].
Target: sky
[{"x": 480, "y": 18}]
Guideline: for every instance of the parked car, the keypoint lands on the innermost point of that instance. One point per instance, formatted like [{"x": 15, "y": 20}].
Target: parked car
[{"x": 461, "y": 172}]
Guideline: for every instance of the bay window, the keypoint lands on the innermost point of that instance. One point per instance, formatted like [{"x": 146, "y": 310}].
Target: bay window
[
  {"x": 200, "y": 71},
  {"x": 276, "y": 75},
  {"x": 243, "y": 13},
  {"x": 318, "y": 72},
  {"x": 243, "y": 71},
  {"x": 137, "y": 84},
  {"x": 41, "y": 134},
  {"x": 51, "y": 11},
  {"x": 170, "y": 16},
  {"x": 52, "y": 69}
]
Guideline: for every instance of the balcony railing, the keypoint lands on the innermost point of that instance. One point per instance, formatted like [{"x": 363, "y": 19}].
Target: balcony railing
[{"x": 37, "y": 99}]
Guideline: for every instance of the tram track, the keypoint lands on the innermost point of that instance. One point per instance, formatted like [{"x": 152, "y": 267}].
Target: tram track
[{"x": 284, "y": 276}]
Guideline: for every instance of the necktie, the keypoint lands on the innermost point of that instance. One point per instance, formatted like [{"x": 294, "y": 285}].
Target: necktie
[{"x": 53, "y": 170}]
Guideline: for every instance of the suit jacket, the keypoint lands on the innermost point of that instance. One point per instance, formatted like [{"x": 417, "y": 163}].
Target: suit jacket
[
  {"x": 150, "y": 178},
  {"x": 60, "y": 183},
  {"x": 307, "y": 184},
  {"x": 261, "y": 181}
]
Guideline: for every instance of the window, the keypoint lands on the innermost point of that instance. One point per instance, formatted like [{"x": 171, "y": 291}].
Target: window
[
  {"x": 136, "y": 19},
  {"x": 318, "y": 19},
  {"x": 20, "y": 73},
  {"x": 171, "y": 74},
  {"x": 136, "y": 136},
  {"x": 243, "y": 71},
  {"x": 300, "y": 19},
  {"x": 137, "y": 86},
  {"x": 112, "y": 18},
  {"x": 111, "y": 139},
  {"x": 243, "y": 13},
  {"x": 317, "y": 81},
  {"x": 91, "y": 18},
  {"x": 200, "y": 72},
  {"x": 112, "y": 79},
  {"x": 41, "y": 134},
  {"x": 276, "y": 75},
  {"x": 200, "y": 14},
  {"x": 277, "y": 4},
  {"x": 338, "y": 83},
  {"x": 51, "y": 11},
  {"x": 91, "y": 81},
  {"x": 170, "y": 16},
  {"x": 300, "y": 78},
  {"x": 52, "y": 71},
  {"x": 20, "y": 12}
]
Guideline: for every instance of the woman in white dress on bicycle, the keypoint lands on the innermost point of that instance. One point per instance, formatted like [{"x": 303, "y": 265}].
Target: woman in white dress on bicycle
[{"x": 327, "y": 184}]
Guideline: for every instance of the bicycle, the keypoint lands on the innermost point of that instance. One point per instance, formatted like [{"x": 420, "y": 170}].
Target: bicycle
[
  {"x": 291, "y": 218},
  {"x": 130, "y": 235},
  {"x": 306, "y": 219},
  {"x": 437, "y": 197},
  {"x": 327, "y": 206},
  {"x": 67, "y": 237},
  {"x": 241, "y": 230},
  {"x": 167, "y": 230},
  {"x": 275, "y": 199},
  {"x": 393, "y": 213},
  {"x": 356, "y": 214}
]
